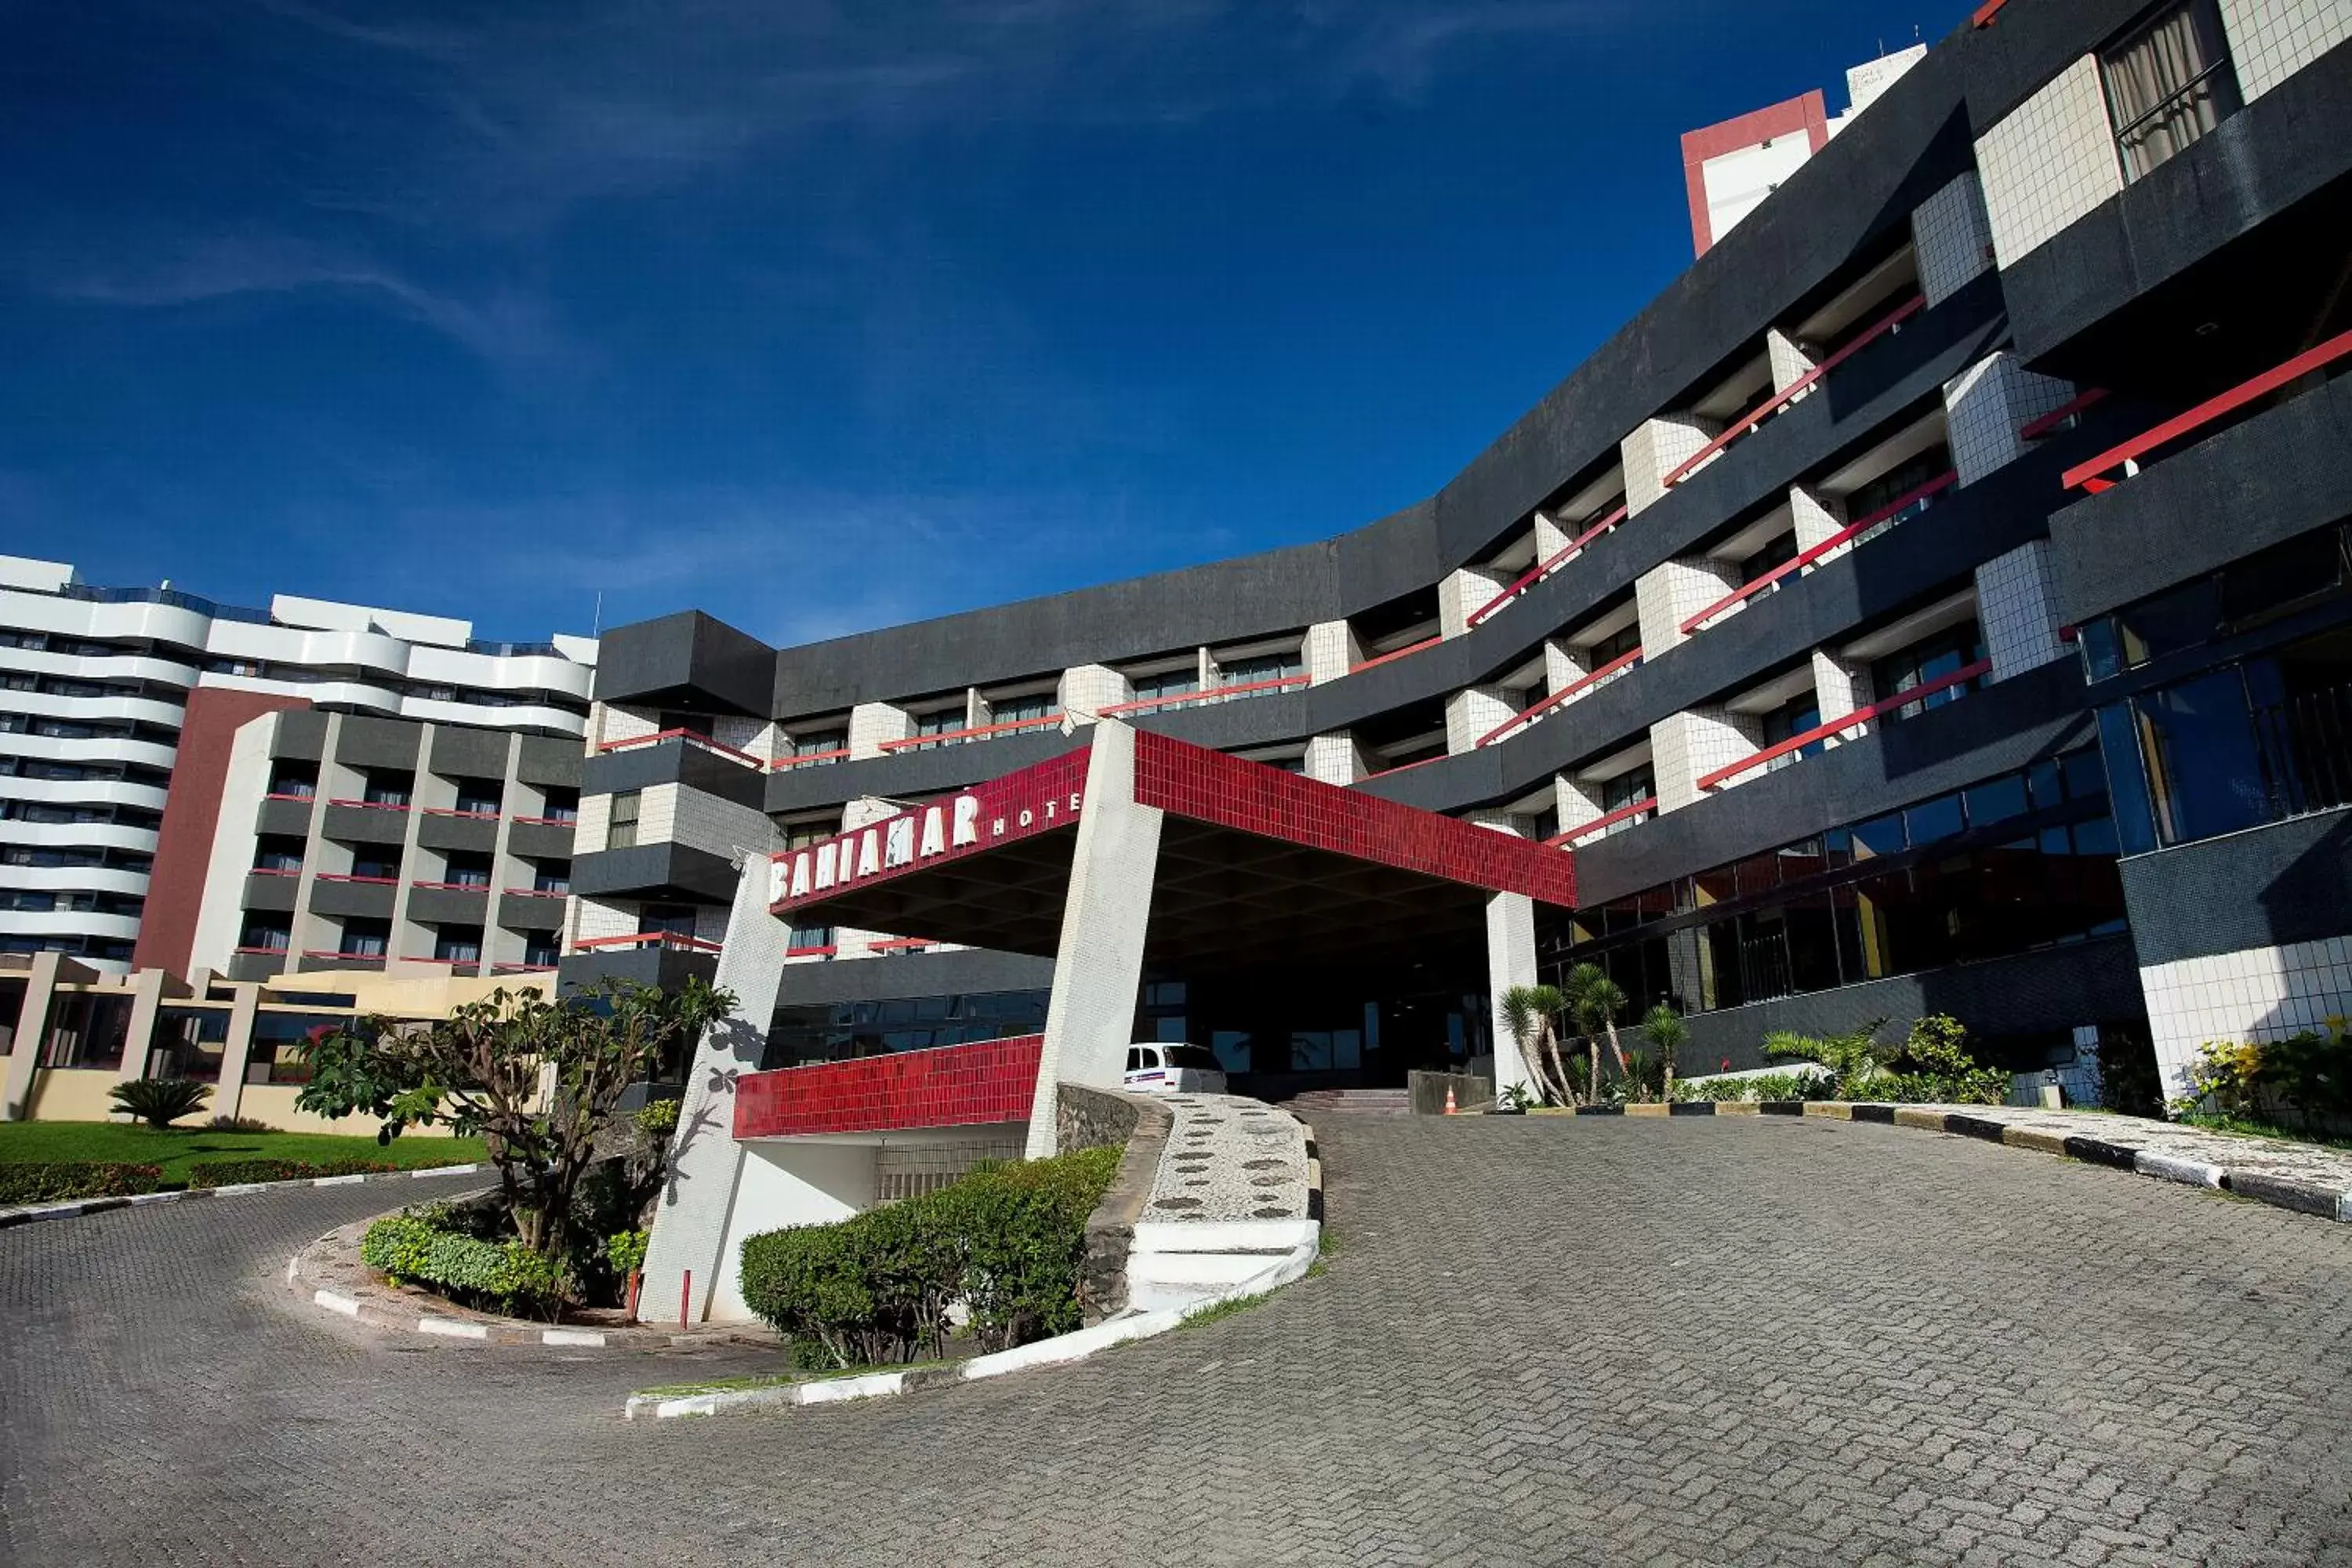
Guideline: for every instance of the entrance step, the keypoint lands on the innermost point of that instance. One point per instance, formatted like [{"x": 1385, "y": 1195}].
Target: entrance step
[{"x": 1355, "y": 1102}]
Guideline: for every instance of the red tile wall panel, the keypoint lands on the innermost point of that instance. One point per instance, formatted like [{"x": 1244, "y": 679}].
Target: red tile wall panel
[
  {"x": 1210, "y": 786},
  {"x": 948, "y": 1086}
]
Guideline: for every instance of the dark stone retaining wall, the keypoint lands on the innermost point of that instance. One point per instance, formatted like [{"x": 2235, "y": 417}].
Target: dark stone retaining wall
[{"x": 1097, "y": 1118}]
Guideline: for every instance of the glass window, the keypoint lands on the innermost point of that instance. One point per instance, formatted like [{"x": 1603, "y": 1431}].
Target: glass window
[
  {"x": 1931, "y": 820},
  {"x": 2168, "y": 84},
  {"x": 1019, "y": 710},
  {"x": 459, "y": 944},
  {"x": 2197, "y": 741},
  {"x": 1931, "y": 659},
  {"x": 1613, "y": 646},
  {"x": 1996, "y": 800},
  {"x": 1168, "y": 683},
  {"x": 621, "y": 826}
]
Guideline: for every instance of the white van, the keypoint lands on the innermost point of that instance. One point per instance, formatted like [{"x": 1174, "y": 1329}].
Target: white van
[{"x": 1168, "y": 1068}]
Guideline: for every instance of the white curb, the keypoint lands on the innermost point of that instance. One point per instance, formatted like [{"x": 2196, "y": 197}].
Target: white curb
[
  {"x": 30, "y": 1214},
  {"x": 2173, "y": 1168},
  {"x": 590, "y": 1337},
  {"x": 350, "y": 1181},
  {"x": 348, "y": 1306},
  {"x": 453, "y": 1327}
]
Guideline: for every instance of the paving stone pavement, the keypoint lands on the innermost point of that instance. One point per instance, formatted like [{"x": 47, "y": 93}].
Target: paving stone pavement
[{"x": 1749, "y": 1341}]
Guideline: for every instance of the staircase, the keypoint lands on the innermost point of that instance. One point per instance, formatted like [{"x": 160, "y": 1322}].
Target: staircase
[{"x": 1316, "y": 1103}]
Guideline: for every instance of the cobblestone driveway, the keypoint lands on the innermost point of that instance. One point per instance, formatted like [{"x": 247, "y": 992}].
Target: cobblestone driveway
[{"x": 1698, "y": 1341}]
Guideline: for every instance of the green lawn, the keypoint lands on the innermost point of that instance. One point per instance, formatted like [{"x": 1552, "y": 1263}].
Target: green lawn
[{"x": 177, "y": 1148}]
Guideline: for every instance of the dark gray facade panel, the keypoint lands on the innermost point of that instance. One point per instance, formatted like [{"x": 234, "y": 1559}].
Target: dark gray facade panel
[
  {"x": 291, "y": 818},
  {"x": 2288, "y": 882},
  {"x": 274, "y": 894},
  {"x": 249, "y": 966},
  {"x": 671, "y": 762},
  {"x": 899, "y": 775},
  {"x": 540, "y": 840},
  {"x": 468, "y": 753},
  {"x": 362, "y": 741},
  {"x": 474, "y": 834},
  {"x": 2256, "y": 165},
  {"x": 665, "y": 967},
  {"x": 548, "y": 759},
  {"x": 2034, "y": 715},
  {"x": 300, "y": 735},
  {"x": 968, "y": 971},
  {"x": 519, "y": 913},
  {"x": 2083, "y": 982},
  {"x": 370, "y": 899},
  {"x": 655, "y": 871},
  {"x": 2010, "y": 61},
  {"x": 449, "y": 906},
  {"x": 2281, "y": 473},
  {"x": 365, "y": 824},
  {"x": 686, "y": 661}
]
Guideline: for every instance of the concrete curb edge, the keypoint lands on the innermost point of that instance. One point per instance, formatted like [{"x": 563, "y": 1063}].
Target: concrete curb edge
[{"x": 33, "y": 1214}]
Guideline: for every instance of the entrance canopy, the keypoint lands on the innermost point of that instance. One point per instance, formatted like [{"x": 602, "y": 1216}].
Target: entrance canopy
[{"x": 1254, "y": 868}]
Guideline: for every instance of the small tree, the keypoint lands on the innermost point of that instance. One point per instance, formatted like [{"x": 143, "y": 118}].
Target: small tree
[
  {"x": 158, "y": 1102},
  {"x": 538, "y": 1081},
  {"x": 1531, "y": 1013},
  {"x": 1667, "y": 1034},
  {"x": 1596, "y": 1000},
  {"x": 1854, "y": 1060}
]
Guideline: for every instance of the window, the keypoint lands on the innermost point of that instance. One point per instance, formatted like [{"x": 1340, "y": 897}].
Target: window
[
  {"x": 1168, "y": 683},
  {"x": 563, "y": 805},
  {"x": 468, "y": 872},
  {"x": 1260, "y": 667},
  {"x": 542, "y": 953},
  {"x": 1869, "y": 500},
  {"x": 621, "y": 830},
  {"x": 552, "y": 876},
  {"x": 294, "y": 783},
  {"x": 1797, "y": 716},
  {"x": 1931, "y": 659},
  {"x": 668, "y": 920},
  {"x": 820, "y": 744},
  {"x": 278, "y": 855},
  {"x": 375, "y": 866},
  {"x": 366, "y": 939},
  {"x": 804, "y": 937},
  {"x": 1614, "y": 646},
  {"x": 480, "y": 797},
  {"x": 388, "y": 789},
  {"x": 459, "y": 944},
  {"x": 1037, "y": 705},
  {"x": 2168, "y": 84},
  {"x": 1774, "y": 554}
]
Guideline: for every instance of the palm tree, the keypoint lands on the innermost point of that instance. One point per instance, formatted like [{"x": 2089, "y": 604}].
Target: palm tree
[
  {"x": 1530, "y": 1012},
  {"x": 1596, "y": 1000},
  {"x": 1663, "y": 1027}
]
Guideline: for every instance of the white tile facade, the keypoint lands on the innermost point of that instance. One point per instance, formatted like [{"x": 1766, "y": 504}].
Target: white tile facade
[
  {"x": 619, "y": 723},
  {"x": 705, "y": 822},
  {"x": 1462, "y": 593},
  {"x": 2049, "y": 161},
  {"x": 2254, "y": 993},
  {"x": 1673, "y": 592},
  {"x": 1790, "y": 360},
  {"x": 1656, "y": 448},
  {"x": 1335, "y": 759},
  {"x": 1685, "y": 747},
  {"x": 1987, "y": 403},
  {"x": 2270, "y": 40},
  {"x": 2017, "y": 610},
  {"x": 1840, "y": 686},
  {"x": 1474, "y": 711},
  {"x": 1818, "y": 518},
  {"x": 1952, "y": 238},
  {"x": 871, "y": 723},
  {"x": 1087, "y": 688},
  {"x": 1332, "y": 651}
]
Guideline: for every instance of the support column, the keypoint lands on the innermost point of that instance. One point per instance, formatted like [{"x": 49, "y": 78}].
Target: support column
[
  {"x": 236, "y": 1050},
  {"x": 1656, "y": 449},
  {"x": 32, "y": 1033},
  {"x": 705, "y": 1162},
  {"x": 1984, "y": 406},
  {"x": 1791, "y": 360},
  {"x": 138, "y": 1032},
  {"x": 1332, "y": 650},
  {"x": 1474, "y": 711},
  {"x": 2017, "y": 608},
  {"x": 1098, "y": 963},
  {"x": 1461, "y": 594},
  {"x": 1334, "y": 759},
  {"x": 1840, "y": 687},
  {"x": 1510, "y": 961},
  {"x": 1672, "y": 592},
  {"x": 1819, "y": 517}
]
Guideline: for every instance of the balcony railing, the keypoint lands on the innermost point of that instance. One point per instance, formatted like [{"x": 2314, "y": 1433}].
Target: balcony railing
[
  {"x": 374, "y": 805},
  {"x": 1394, "y": 654},
  {"x": 1547, "y": 565},
  {"x": 355, "y": 877},
  {"x": 675, "y": 942},
  {"x": 338, "y": 954},
  {"x": 2126, "y": 455},
  {"x": 810, "y": 759},
  {"x": 1891, "y": 511},
  {"x": 2304, "y": 748},
  {"x": 538, "y": 892},
  {"x": 1209, "y": 695},
  {"x": 1645, "y": 806},
  {"x": 975, "y": 733},
  {"x": 689, "y": 737},
  {"x": 476, "y": 816},
  {"x": 1565, "y": 695},
  {"x": 2066, "y": 413},
  {"x": 453, "y": 886},
  {"x": 1852, "y": 720}
]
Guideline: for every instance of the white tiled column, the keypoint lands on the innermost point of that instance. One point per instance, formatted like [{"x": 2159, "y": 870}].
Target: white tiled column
[
  {"x": 2270, "y": 40},
  {"x": 2017, "y": 610},
  {"x": 1098, "y": 961},
  {"x": 1462, "y": 593},
  {"x": 1952, "y": 238},
  {"x": 1550, "y": 537},
  {"x": 1791, "y": 360},
  {"x": 1332, "y": 650},
  {"x": 863, "y": 811},
  {"x": 871, "y": 723},
  {"x": 2253, "y": 993},
  {"x": 1687, "y": 746},
  {"x": 1472, "y": 712},
  {"x": 1819, "y": 517},
  {"x": 2048, "y": 162},
  {"x": 1510, "y": 961},
  {"x": 691, "y": 1228},
  {"x": 1575, "y": 803},
  {"x": 1986, "y": 404},
  {"x": 1335, "y": 759},
  {"x": 1657, "y": 447},
  {"x": 1672, "y": 592},
  {"x": 1564, "y": 665},
  {"x": 1086, "y": 689},
  {"x": 1840, "y": 687}
]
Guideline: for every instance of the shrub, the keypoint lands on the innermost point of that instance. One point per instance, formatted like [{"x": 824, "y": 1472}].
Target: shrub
[
  {"x": 2128, "y": 1081},
  {"x": 237, "y": 1173},
  {"x": 1763, "y": 1086},
  {"x": 2302, "y": 1081},
  {"x": 1007, "y": 1241},
  {"x": 237, "y": 1124},
  {"x": 1855, "y": 1062},
  {"x": 505, "y": 1275},
  {"x": 626, "y": 1251},
  {"x": 159, "y": 1102},
  {"x": 658, "y": 1118},
  {"x": 59, "y": 1181}
]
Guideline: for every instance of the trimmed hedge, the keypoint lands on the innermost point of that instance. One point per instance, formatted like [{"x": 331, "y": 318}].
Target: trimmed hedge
[
  {"x": 1008, "y": 1242},
  {"x": 59, "y": 1181},
  {"x": 504, "y": 1275},
  {"x": 235, "y": 1172}
]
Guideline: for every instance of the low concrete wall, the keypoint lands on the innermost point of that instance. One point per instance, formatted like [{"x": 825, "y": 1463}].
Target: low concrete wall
[
  {"x": 72, "y": 1094},
  {"x": 1428, "y": 1092},
  {"x": 273, "y": 1105},
  {"x": 1099, "y": 1119}
]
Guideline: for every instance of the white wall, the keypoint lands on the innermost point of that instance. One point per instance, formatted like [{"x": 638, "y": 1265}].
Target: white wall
[
  {"x": 784, "y": 1182},
  {"x": 2048, "y": 162}
]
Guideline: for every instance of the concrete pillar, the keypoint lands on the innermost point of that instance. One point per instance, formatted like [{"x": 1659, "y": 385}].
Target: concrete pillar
[
  {"x": 1086, "y": 689},
  {"x": 146, "y": 1001},
  {"x": 1335, "y": 759},
  {"x": 1473, "y": 712},
  {"x": 306, "y": 931},
  {"x": 1332, "y": 650},
  {"x": 1462, "y": 593},
  {"x": 1098, "y": 963},
  {"x": 1791, "y": 362},
  {"x": 236, "y": 1050},
  {"x": 1840, "y": 686},
  {"x": 32, "y": 1034},
  {"x": 1656, "y": 448},
  {"x": 501, "y": 945},
  {"x": 689, "y": 1230},
  {"x": 2017, "y": 610},
  {"x": 429, "y": 789},
  {"x": 1985, "y": 404},
  {"x": 1575, "y": 803},
  {"x": 1687, "y": 746},
  {"x": 1672, "y": 592},
  {"x": 1564, "y": 665},
  {"x": 1510, "y": 961},
  {"x": 1951, "y": 237},
  {"x": 1550, "y": 537},
  {"x": 1819, "y": 517},
  {"x": 871, "y": 723}
]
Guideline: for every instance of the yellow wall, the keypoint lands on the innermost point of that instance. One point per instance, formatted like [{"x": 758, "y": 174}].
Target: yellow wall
[
  {"x": 274, "y": 1103},
  {"x": 72, "y": 1094}
]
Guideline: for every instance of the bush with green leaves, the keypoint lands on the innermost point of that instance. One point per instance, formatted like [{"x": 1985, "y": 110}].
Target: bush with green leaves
[
  {"x": 61, "y": 1180},
  {"x": 1770, "y": 1086},
  {"x": 421, "y": 1246},
  {"x": 1856, "y": 1064},
  {"x": 159, "y": 1102},
  {"x": 1008, "y": 1242},
  {"x": 657, "y": 1119},
  {"x": 237, "y": 1173},
  {"x": 2303, "y": 1082},
  {"x": 625, "y": 1251}
]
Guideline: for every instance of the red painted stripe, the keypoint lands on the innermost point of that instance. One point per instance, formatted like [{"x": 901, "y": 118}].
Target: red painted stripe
[
  {"x": 1547, "y": 566},
  {"x": 1600, "y": 824},
  {"x": 1838, "y": 726},
  {"x": 2034, "y": 429},
  {"x": 1798, "y": 563},
  {"x": 1564, "y": 694},
  {"x": 1212, "y": 694},
  {"x": 977, "y": 733},
  {"x": 2205, "y": 412},
  {"x": 1397, "y": 653}
]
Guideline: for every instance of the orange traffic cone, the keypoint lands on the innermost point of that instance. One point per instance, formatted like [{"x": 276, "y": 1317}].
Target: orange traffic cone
[{"x": 1450, "y": 1108}]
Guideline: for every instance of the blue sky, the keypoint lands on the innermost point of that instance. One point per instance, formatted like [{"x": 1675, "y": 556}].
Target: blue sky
[{"x": 815, "y": 316}]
